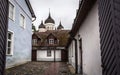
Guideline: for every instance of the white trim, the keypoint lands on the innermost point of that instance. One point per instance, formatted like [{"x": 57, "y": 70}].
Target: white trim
[
  {"x": 13, "y": 19},
  {"x": 23, "y": 26},
  {"x": 12, "y": 45}
]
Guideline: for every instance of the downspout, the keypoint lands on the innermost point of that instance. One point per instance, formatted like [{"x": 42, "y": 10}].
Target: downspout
[{"x": 76, "y": 55}]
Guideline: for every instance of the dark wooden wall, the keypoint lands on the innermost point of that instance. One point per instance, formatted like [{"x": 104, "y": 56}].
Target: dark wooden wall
[
  {"x": 3, "y": 32},
  {"x": 109, "y": 16}
]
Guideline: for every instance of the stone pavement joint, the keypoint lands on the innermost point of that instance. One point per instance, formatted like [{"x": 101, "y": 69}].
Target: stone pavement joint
[{"x": 40, "y": 68}]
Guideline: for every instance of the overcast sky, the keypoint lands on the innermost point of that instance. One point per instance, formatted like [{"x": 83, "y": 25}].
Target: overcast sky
[{"x": 64, "y": 10}]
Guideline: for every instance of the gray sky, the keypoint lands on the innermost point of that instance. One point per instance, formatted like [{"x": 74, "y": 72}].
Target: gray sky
[{"x": 64, "y": 10}]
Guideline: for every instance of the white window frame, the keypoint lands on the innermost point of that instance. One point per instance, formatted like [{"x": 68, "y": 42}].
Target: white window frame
[
  {"x": 51, "y": 41},
  {"x": 22, "y": 23},
  {"x": 13, "y": 17},
  {"x": 34, "y": 41},
  {"x": 12, "y": 43}
]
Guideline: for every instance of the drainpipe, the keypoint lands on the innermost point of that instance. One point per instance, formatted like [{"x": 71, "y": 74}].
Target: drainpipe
[{"x": 76, "y": 56}]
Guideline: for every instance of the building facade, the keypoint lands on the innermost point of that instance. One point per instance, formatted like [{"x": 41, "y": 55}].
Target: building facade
[
  {"x": 49, "y": 43},
  {"x": 19, "y": 35},
  {"x": 93, "y": 47},
  {"x": 84, "y": 51}
]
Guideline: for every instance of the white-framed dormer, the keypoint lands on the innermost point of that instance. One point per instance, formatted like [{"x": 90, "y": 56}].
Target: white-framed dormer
[
  {"x": 51, "y": 41},
  {"x": 10, "y": 43},
  {"x": 11, "y": 15},
  {"x": 22, "y": 21}
]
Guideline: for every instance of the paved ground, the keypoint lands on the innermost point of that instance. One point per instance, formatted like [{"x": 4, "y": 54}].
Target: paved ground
[{"x": 40, "y": 68}]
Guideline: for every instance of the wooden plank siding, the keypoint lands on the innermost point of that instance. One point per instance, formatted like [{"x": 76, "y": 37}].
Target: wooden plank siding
[
  {"x": 3, "y": 33},
  {"x": 109, "y": 16}
]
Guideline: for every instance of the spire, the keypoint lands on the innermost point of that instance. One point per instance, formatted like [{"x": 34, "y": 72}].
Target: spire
[
  {"x": 60, "y": 27},
  {"x": 49, "y": 19}
]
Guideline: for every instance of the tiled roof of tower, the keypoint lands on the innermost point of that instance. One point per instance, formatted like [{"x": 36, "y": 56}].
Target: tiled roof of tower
[
  {"x": 41, "y": 25},
  {"x": 60, "y": 26}
]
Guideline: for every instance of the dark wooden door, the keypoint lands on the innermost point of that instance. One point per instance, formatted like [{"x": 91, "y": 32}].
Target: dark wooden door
[
  {"x": 34, "y": 55},
  {"x": 3, "y": 33},
  {"x": 64, "y": 55}
]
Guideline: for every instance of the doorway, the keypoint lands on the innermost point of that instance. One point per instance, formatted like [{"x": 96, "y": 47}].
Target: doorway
[
  {"x": 34, "y": 55},
  {"x": 81, "y": 56}
]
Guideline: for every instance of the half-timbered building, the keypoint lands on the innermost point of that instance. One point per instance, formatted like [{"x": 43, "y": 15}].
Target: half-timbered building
[{"x": 48, "y": 44}]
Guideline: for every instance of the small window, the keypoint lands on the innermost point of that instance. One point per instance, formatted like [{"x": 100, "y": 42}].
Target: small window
[
  {"x": 11, "y": 11},
  {"x": 22, "y": 21},
  {"x": 48, "y": 53},
  {"x": 9, "y": 50},
  {"x": 34, "y": 41},
  {"x": 51, "y": 41}
]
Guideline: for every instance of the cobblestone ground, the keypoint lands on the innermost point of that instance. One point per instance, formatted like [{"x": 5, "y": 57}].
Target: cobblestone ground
[{"x": 40, "y": 68}]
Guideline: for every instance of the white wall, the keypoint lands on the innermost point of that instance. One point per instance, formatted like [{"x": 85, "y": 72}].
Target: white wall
[
  {"x": 89, "y": 32},
  {"x": 50, "y": 25},
  {"x": 42, "y": 55},
  {"x": 71, "y": 54}
]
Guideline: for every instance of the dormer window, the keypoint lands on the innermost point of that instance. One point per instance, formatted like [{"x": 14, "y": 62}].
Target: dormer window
[
  {"x": 51, "y": 41},
  {"x": 34, "y": 41}
]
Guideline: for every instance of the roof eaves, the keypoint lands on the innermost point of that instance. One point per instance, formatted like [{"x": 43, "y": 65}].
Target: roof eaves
[
  {"x": 84, "y": 8},
  {"x": 30, "y": 8}
]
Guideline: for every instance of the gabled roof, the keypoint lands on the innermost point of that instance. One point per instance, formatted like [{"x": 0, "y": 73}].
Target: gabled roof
[
  {"x": 51, "y": 34},
  {"x": 84, "y": 7},
  {"x": 30, "y": 8},
  {"x": 62, "y": 36}
]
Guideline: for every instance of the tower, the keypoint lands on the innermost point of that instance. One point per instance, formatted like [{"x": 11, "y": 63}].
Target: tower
[
  {"x": 49, "y": 23},
  {"x": 42, "y": 27},
  {"x": 60, "y": 27}
]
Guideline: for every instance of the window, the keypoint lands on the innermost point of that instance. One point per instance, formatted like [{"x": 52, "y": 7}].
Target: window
[
  {"x": 34, "y": 41},
  {"x": 22, "y": 21},
  {"x": 51, "y": 41},
  {"x": 11, "y": 11},
  {"x": 48, "y": 53},
  {"x": 9, "y": 50}
]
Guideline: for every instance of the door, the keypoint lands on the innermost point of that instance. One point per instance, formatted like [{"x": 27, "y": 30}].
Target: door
[
  {"x": 3, "y": 33},
  {"x": 64, "y": 55},
  {"x": 34, "y": 55}
]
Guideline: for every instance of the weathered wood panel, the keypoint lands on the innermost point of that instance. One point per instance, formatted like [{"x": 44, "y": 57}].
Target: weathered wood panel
[
  {"x": 3, "y": 32},
  {"x": 109, "y": 16}
]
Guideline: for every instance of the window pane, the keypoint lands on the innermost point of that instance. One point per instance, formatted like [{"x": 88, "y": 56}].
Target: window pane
[
  {"x": 22, "y": 20},
  {"x": 9, "y": 36},
  {"x": 48, "y": 52},
  {"x": 11, "y": 11},
  {"x": 9, "y": 51},
  {"x": 9, "y": 43}
]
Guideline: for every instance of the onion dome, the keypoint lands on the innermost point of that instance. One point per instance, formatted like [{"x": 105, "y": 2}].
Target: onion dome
[
  {"x": 60, "y": 26},
  {"x": 49, "y": 20},
  {"x": 41, "y": 25}
]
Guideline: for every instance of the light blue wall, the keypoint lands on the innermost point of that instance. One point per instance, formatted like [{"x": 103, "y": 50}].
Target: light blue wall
[{"x": 22, "y": 37}]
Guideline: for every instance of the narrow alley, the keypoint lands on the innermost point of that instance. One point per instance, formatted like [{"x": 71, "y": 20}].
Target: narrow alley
[{"x": 40, "y": 68}]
